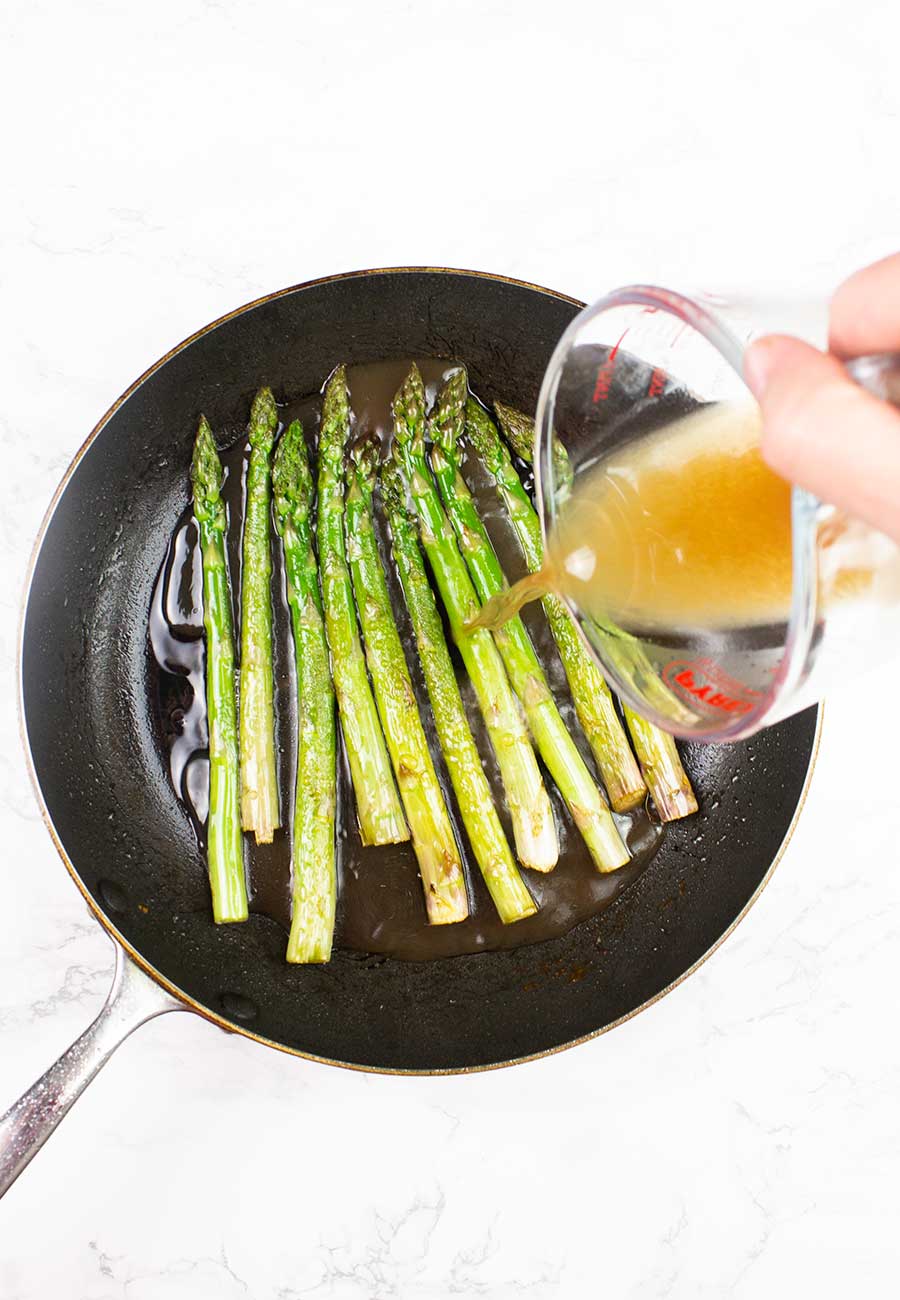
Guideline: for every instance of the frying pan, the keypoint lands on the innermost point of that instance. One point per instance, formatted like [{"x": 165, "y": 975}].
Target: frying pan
[{"x": 98, "y": 764}]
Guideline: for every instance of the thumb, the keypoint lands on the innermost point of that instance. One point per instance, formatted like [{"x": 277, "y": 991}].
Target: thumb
[{"x": 825, "y": 433}]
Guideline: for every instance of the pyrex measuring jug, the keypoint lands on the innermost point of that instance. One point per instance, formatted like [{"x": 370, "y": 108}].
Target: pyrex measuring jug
[{"x": 729, "y": 600}]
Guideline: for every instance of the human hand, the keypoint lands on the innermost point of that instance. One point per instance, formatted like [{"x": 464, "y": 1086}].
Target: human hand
[{"x": 820, "y": 429}]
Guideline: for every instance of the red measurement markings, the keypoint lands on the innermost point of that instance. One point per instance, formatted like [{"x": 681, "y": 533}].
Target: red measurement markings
[
  {"x": 657, "y": 382},
  {"x": 605, "y": 373},
  {"x": 704, "y": 681}
]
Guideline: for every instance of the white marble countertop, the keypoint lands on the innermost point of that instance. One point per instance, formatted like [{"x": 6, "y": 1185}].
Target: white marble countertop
[{"x": 165, "y": 164}]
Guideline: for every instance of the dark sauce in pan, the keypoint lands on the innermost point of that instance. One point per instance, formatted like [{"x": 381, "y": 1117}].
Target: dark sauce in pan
[{"x": 380, "y": 903}]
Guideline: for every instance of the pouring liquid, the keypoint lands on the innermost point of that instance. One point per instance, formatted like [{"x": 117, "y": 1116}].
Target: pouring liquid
[{"x": 686, "y": 529}]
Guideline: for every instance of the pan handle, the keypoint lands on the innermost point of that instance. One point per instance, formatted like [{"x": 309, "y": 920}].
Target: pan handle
[{"x": 133, "y": 999}]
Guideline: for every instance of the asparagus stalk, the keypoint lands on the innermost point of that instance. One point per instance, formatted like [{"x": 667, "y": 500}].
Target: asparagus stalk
[
  {"x": 473, "y": 794},
  {"x": 529, "y": 805},
  {"x": 378, "y": 806},
  {"x": 657, "y": 754},
  {"x": 259, "y": 775},
  {"x": 556, "y": 747},
  {"x": 429, "y": 822},
  {"x": 591, "y": 696},
  {"x": 313, "y": 846},
  {"x": 225, "y": 846}
]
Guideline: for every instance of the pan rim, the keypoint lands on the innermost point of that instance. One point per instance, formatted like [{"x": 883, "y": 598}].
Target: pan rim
[{"x": 190, "y": 1003}]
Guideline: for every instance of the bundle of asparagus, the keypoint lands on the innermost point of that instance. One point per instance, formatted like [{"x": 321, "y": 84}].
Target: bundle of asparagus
[
  {"x": 660, "y": 763},
  {"x": 473, "y": 794},
  {"x": 348, "y": 653},
  {"x": 429, "y": 822},
  {"x": 529, "y": 807},
  {"x": 559, "y": 752}
]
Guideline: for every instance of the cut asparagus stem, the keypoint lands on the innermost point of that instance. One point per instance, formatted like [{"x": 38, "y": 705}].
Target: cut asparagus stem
[
  {"x": 259, "y": 775},
  {"x": 529, "y": 805},
  {"x": 473, "y": 794},
  {"x": 433, "y": 839},
  {"x": 669, "y": 784},
  {"x": 556, "y": 747},
  {"x": 224, "y": 842},
  {"x": 314, "y": 889},
  {"x": 378, "y": 806},
  {"x": 591, "y": 696},
  {"x": 656, "y": 750}
]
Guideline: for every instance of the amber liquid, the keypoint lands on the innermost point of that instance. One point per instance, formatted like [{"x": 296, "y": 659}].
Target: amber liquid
[{"x": 686, "y": 529}]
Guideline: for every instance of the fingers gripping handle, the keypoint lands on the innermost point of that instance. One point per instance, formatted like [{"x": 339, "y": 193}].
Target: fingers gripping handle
[{"x": 133, "y": 999}]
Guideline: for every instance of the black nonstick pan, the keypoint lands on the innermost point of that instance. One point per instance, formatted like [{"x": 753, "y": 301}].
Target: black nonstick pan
[{"x": 99, "y": 763}]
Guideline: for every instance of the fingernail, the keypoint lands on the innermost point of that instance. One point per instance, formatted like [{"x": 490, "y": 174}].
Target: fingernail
[{"x": 758, "y": 361}]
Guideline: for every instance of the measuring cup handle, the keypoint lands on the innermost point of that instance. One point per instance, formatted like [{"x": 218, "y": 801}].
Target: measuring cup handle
[
  {"x": 878, "y": 374},
  {"x": 133, "y": 999}
]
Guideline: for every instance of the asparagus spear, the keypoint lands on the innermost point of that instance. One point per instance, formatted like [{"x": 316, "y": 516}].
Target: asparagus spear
[
  {"x": 658, "y": 756},
  {"x": 313, "y": 846},
  {"x": 590, "y": 694},
  {"x": 225, "y": 846},
  {"x": 378, "y": 806},
  {"x": 259, "y": 776},
  {"x": 529, "y": 806},
  {"x": 473, "y": 794},
  {"x": 557, "y": 748},
  {"x": 429, "y": 822}
]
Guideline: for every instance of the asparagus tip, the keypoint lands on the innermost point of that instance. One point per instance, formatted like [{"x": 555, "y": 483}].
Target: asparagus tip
[
  {"x": 518, "y": 430},
  {"x": 365, "y": 453},
  {"x": 393, "y": 487},
  {"x": 263, "y": 420},
  {"x": 206, "y": 474},
  {"x": 481, "y": 432},
  {"x": 408, "y": 407},
  {"x": 292, "y": 486},
  {"x": 336, "y": 403},
  {"x": 449, "y": 415}
]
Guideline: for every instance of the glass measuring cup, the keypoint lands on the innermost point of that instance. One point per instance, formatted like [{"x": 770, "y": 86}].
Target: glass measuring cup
[{"x": 628, "y": 371}]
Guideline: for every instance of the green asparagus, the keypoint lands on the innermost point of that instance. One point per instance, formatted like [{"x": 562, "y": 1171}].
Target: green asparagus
[
  {"x": 473, "y": 794},
  {"x": 433, "y": 839},
  {"x": 259, "y": 775},
  {"x": 378, "y": 806},
  {"x": 591, "y": 696},
  {"x": 225, "y": 845},
  {"x": 529, "y": 805},
  {"x": 657, "y": 754},
  {"x": 314, "y": 887},
  {"x": 555, "y": 745}
]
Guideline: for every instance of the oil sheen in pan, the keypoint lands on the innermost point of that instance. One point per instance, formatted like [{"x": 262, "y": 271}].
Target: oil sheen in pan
[{"x": 380, "y": 904}]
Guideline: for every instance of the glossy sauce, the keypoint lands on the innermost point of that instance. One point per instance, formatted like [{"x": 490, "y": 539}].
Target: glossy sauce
[{"x": 380, "y": 904}]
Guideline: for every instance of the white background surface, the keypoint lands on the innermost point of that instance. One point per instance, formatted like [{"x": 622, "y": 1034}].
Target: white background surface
[{"x": 164, "y": 163}]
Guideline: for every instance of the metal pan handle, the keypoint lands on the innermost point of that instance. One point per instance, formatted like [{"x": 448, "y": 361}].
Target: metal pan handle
[{"x": 133, "y": 999}]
